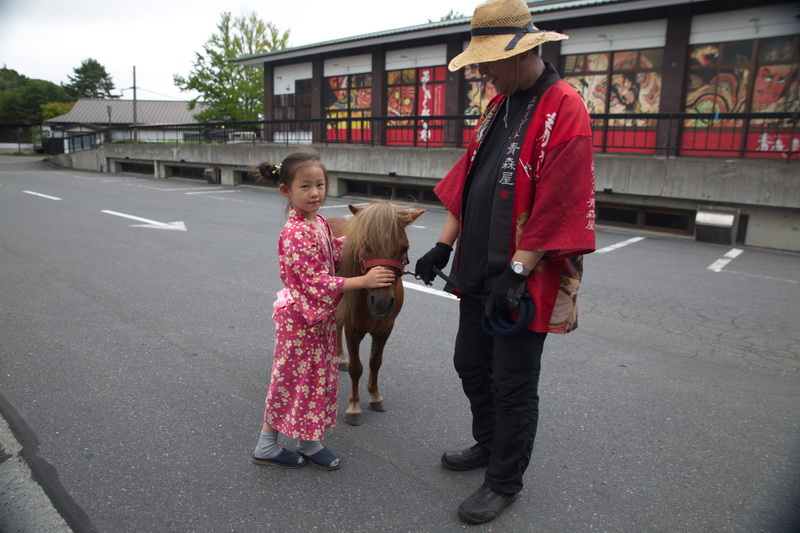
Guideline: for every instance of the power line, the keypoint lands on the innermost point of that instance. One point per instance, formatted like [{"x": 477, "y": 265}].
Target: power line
[{"x": 157, "y": 93}]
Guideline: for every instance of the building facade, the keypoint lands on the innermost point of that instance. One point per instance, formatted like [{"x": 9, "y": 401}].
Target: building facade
[{"x": 661, "y": 78}]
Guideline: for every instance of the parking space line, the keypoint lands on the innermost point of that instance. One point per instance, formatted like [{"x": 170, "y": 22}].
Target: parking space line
[
  {"x": 618, "y": 245},
  {"x": 429, "y": 290},
  {"x": 42, "y": 195},
  {"x": 720, "y": 263}
]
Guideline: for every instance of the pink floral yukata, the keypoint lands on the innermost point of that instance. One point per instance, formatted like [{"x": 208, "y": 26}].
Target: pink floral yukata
[{"x": 302, "y": 396}]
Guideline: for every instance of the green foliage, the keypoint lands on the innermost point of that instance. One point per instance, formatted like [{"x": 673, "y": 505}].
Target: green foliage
[
  {"x": 55, "y": 109},
  {"x": 91, "y": 81},
  {"x": 232, "y": 92},
  {"x": 451, "y": 15},
  {"x": 21, "y": 98}
]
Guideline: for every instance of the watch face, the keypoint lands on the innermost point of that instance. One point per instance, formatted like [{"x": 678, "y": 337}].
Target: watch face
[{"x": 518, "y": 268}]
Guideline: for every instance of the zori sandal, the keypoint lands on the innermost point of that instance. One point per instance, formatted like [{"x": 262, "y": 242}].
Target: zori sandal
[
  {"x": 324, "y": 459},
  {"x": 285, "y": 459}
]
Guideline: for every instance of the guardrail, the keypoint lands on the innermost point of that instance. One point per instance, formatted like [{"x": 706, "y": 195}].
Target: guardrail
[{"x": 771, "y": 135}]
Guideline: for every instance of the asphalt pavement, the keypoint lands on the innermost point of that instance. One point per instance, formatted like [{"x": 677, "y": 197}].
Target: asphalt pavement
[{"x": 136, "y": 344}]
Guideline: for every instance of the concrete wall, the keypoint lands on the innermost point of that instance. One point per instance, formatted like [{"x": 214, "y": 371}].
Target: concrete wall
[
  {"x": 13, "y": 148},
  {"x": 754, "y": 182},
  {"x": 766, "y": 190}
]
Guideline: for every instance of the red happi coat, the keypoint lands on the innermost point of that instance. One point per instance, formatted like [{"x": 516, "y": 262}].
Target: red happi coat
[{"x": 553, "y": 201}]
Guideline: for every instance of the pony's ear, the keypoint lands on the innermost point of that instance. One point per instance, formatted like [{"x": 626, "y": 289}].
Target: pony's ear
[
  {"x": 354, "y": 209},
  {"x": 416, "y": 214}
]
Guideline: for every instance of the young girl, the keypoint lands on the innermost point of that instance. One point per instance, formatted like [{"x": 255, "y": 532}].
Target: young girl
[{"x": 302, "y": 396}]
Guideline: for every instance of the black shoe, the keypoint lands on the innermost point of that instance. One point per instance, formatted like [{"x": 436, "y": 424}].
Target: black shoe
[
  {"x": 466, "y": 459},
  {"x": 484, "y": 505}
]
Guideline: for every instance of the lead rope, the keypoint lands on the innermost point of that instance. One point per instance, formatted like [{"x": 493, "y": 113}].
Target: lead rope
[{"x": 499, "y": 323}]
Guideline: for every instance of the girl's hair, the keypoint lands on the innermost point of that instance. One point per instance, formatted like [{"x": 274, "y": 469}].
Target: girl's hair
[{"x": 266, "y": 172}]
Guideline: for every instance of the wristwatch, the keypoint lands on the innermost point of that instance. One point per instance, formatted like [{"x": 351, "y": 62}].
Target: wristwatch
[{"x": 519, "y": 268}]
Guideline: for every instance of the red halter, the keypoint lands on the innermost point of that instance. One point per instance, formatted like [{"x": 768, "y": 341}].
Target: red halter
[{"x": 391, "y": 263}]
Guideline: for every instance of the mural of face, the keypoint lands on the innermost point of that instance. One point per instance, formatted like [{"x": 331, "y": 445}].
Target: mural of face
[
  {"x": 625, "y": 90},
  {"x": 771, "y": 83}
]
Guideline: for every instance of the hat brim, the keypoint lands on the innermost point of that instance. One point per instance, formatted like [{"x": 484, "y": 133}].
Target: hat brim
[{"x": 483, "y": 49}]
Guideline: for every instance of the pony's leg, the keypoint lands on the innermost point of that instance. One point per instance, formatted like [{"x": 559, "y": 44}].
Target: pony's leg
[
  {"x": 375, "y": 362},
  {"x": 355, "y": 369},
  {"x": 342, "y": 356}
]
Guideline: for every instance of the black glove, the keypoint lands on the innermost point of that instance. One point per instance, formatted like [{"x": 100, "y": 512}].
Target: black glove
[
  {"x": 438, "y": 256},
  {"x": 506, "y": 291}
]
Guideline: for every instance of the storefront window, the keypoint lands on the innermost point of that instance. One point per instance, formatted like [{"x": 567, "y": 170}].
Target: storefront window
[
  {"x": 478, "y": 94},
  {"x": 754, "y": 76},
  {"x": 416, "y": 92},
  {"x": 348, "y": 98},
  {"x": 627, "y": 81}
]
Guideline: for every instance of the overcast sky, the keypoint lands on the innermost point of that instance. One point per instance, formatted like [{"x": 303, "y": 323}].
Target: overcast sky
[{"x": 48, "y": 39}]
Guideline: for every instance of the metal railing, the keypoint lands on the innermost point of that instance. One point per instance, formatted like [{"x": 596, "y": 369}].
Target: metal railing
[{"x": 772, "y": 135}]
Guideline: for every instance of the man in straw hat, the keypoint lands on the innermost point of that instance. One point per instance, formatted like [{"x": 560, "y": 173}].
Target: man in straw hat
[{"x": 520, "y": 205}]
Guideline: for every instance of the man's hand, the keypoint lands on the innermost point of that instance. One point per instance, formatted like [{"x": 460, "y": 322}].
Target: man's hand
[
  {"x": 506, "y": 291},
  {"x": 438, "y": 256}
]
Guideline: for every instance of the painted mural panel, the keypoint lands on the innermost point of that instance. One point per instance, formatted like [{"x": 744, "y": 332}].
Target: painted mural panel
[
  {"x": 752, "y": 76},
  {"x": 431, "y": 103},
  {"x": 416, "y": 92},
  {"x": 776, "y": 87},
  {"x": 348, "y": 97},
  {"x": 627, "y": 81},
  {"x": 478, "y": 93},
  {"x": 621, "y": 82}
]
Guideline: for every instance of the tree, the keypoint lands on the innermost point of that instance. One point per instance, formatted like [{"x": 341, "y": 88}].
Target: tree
[
  {"x": 232, "y": 92},
  {"x": 55, "y": 109},
  {"x": 91, "y": 81},
  {"x": 21, "y": 98},
  {"x": 452, "y": 15}
]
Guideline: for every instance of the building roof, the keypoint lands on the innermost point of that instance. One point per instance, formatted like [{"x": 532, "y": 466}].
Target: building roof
[
  {"x": 148, "y": 112},
  {"x": 544, "y": 9}
]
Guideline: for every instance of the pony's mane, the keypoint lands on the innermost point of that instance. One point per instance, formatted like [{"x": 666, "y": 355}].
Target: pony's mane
[{"x": 376, "y": 228}]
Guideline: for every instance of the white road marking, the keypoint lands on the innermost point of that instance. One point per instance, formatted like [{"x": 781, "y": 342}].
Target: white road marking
[
  {"x": 618, "y": 245},
  {"x": 211, "y": 192},
  {"x": 720, "y": 263},
  {"x": 42, "y": 195},
  {"x": 771, "y": 278},
  {"x": 429, "y": 290},
  {"x": 180, "y": 226}
]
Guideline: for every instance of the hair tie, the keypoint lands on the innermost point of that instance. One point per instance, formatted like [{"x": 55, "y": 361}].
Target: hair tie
[{"x": 276, "y": 171}]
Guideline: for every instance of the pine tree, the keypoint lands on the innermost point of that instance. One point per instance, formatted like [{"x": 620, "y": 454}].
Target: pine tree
[{"x": 90, "y": 81}]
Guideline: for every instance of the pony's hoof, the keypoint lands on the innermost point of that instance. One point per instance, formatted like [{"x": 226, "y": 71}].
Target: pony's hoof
[
  {"x": 353, "y": 419},
  {"x": 343, "y": 366},
  {"x": 378, "y": 406}
]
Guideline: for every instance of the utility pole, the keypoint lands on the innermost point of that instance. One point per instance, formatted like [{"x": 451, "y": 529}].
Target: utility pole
[
  {"x": 135, "y": 132},
  {"x": 134, "y": 95}
]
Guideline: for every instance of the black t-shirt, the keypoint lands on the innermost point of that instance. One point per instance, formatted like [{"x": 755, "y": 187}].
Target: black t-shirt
[{"x": 473, "y": 243}]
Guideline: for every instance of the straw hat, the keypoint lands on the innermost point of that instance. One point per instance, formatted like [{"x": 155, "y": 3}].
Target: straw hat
[{"x": 501, "y": 29}]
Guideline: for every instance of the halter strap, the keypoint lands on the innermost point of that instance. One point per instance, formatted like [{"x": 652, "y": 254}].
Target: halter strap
[
  {"x": 366, "y": 265},
  {"x": 516, "y": 31}
]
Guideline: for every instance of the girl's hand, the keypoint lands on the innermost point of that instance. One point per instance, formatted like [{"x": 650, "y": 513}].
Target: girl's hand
[{"x": 378, "y": 277}]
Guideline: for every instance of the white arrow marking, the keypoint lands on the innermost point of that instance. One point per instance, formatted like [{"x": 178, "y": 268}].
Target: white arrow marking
[
  {"x": 180, "y": 226},
  {"x": 42, "y": 195}
]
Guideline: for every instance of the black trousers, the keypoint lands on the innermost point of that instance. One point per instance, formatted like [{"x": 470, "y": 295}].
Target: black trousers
[{"x": 500, "y": 376}]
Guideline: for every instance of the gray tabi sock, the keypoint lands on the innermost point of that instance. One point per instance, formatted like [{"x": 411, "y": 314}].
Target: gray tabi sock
[{"x": 267, "y": 446}]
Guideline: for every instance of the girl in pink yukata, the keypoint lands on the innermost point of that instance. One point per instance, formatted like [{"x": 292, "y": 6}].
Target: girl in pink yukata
[{"x": 302, "y": 396}]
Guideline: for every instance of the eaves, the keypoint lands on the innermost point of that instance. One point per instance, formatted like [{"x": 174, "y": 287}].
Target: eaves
[{"x": 543, "y": 12}]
